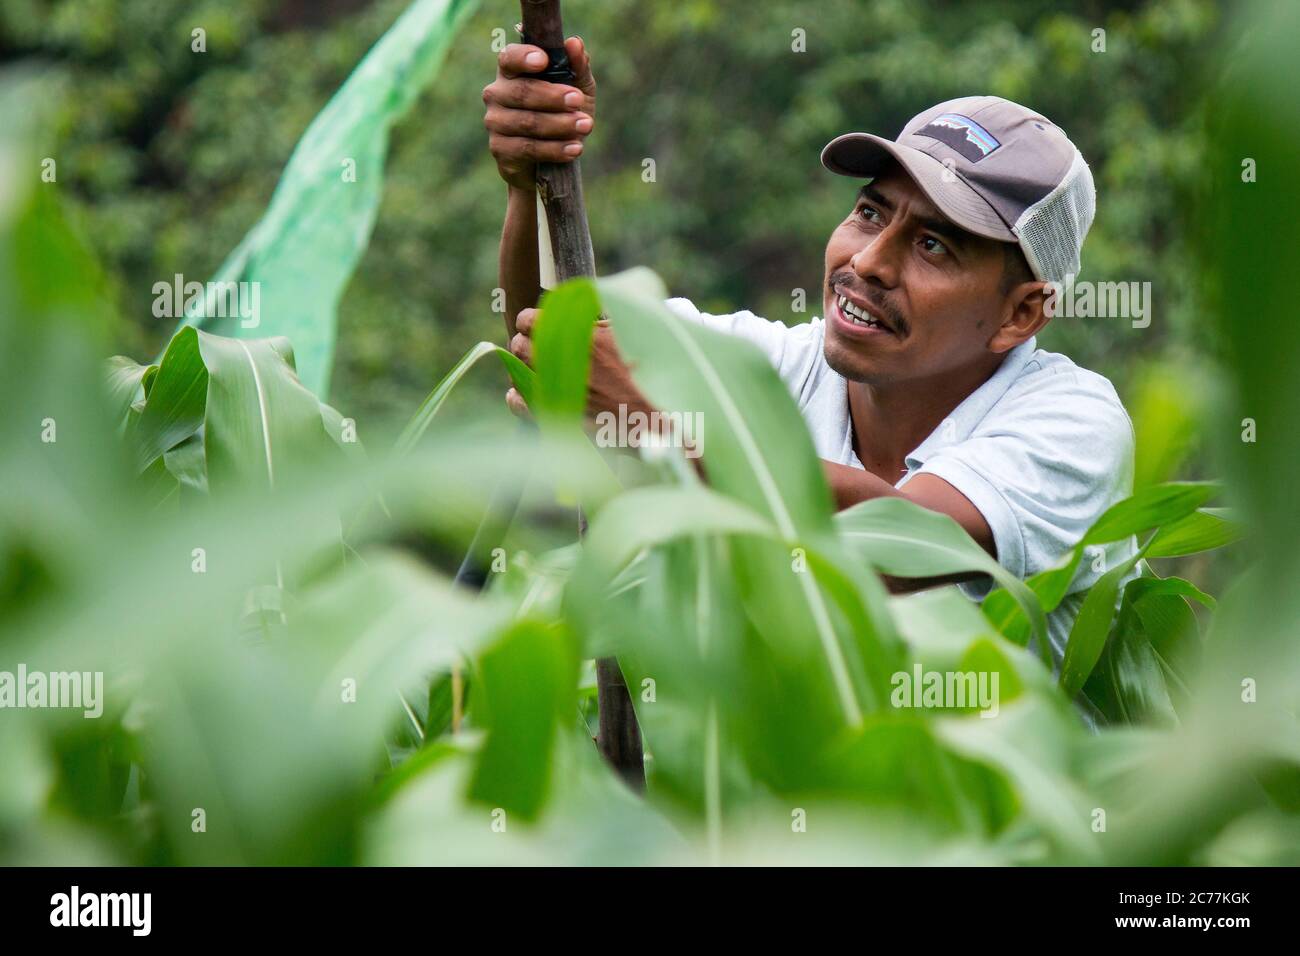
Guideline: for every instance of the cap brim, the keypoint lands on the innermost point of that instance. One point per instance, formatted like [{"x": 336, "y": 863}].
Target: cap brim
[{"x": 863, "y": 155}]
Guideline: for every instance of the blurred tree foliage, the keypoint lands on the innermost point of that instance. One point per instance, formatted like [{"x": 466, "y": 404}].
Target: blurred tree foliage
[{"x": 170, "y": 155}]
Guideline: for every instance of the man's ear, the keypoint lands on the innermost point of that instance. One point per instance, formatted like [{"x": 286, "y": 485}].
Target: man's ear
[{"x": 1024, "y": 313}]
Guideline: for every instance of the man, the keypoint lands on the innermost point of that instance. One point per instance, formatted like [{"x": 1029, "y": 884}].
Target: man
[{"x": 924, "y": 380}]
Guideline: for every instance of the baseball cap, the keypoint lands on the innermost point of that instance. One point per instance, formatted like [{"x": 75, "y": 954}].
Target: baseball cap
[{"x": 995, "y": 168}]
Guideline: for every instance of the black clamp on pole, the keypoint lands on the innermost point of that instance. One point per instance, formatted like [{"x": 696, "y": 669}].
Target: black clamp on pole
[{"x": 558, "y": 70}]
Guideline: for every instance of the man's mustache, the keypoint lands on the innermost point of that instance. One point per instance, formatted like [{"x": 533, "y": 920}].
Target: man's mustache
[{"x": 875, "y": 297}]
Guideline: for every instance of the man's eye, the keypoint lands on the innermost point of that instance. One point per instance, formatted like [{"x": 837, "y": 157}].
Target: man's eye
[
  {"x": 869, "y": 213},
  {"x": 933, "y": 245}
]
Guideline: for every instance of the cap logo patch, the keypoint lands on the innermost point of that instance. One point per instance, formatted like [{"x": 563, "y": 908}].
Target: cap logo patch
[{"x": 963, "y": 134}]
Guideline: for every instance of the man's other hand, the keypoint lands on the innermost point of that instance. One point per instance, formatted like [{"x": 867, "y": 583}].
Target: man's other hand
[{"x": 609, "y": 384}]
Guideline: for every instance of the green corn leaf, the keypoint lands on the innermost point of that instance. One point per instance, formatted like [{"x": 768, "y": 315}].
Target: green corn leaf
[
  {"x": 1152, "y": 507},
  {"x": 523, "y": 377},
  {"x": 1145, "y": 587},
  {"x": 1049, "y": 587},
  {"x": 1127, "y": 684},
  {"x": 261, "y": 423},
  {"x": 757, "y": 450},
  {"x": 1091, "y": 626},
  {"x": 297, "y": 740},
  {"x": 646, "y": 517},
  {"x": 682, "y": 628},
  {"x": 640, "y": 519},
  {"x": 562, "y": 358},
  {"x": 1170, "y": 627},
  {"x": 1030, "y": 744},
  {"x": 562, "y": 350},
  {"x": 388, "y": 622},
  {"x": 308, "y": 242},
  {"x": 694, "y": 663},
  {"x": 338, "y": 428},
  {"x": 125, "y": 380},
  {"x": 526, "y": 685},
  {"x": 178, "y": 398},
  {"x": 758, "y": 447},
  {"x": 1202, "y": 530},
  {"x": 1145, "y": 669},
  {"x": 189, "y": 466},
  {"x": 901, "y": 538}
]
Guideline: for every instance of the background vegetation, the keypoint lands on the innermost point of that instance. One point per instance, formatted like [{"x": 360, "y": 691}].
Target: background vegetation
[{"x": 169, "y": 156}]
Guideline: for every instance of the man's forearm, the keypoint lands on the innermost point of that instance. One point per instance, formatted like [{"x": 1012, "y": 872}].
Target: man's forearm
[
  {"x": 850, "y": 486},
  {"x": 518, "y": 272},
  {"x": 853, "y": 485}
]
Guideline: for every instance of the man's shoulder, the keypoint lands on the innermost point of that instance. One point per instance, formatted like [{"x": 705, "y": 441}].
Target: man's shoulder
[
  {"x": 1052, "y": 385},
  {"x": 778, "y": 340},
  {"x": 683, "y": 307},
  {"x": 687, "y": 309},
  {"x": 1060, "y": 375},
  {"x": 795, "y": 351}
]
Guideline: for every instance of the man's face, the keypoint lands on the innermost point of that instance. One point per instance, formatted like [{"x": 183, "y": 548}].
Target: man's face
[{"x": 930, "y": 290}]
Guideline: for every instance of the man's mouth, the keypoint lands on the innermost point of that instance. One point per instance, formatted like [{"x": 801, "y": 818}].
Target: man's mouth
[{"x": 859, "y": 318}]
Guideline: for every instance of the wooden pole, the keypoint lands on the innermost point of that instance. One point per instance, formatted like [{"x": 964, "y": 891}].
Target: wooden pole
[{"x": 559, "y": 186}]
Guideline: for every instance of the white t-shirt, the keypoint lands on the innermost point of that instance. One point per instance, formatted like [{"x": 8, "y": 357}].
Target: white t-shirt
[{"x": 1041, "y": 449}]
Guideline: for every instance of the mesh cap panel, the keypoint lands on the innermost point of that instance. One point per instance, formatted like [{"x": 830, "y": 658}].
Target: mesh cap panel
[{"x": 1051, "y": 231}]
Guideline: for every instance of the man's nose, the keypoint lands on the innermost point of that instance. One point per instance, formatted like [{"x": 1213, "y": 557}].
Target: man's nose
[{"x": 879, "y": 261}]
